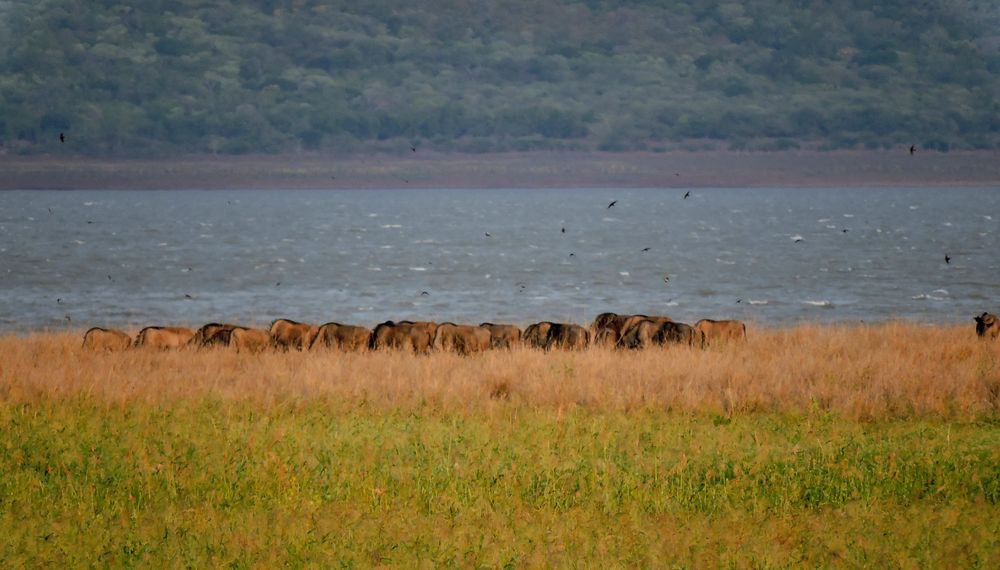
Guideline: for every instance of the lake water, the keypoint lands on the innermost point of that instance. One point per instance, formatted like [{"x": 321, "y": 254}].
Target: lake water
[{"x": 773, "y": 256}]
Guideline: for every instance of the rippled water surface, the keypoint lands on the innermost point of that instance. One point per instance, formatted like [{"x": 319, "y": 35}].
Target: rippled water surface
[{"x": 774, "y": 256}]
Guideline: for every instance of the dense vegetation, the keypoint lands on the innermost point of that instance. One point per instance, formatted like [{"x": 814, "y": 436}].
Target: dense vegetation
[{"x": 178, "y": 76}]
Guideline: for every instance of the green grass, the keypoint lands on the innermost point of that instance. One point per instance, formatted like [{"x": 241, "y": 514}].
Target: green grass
[{"x": 202, "y": 482}]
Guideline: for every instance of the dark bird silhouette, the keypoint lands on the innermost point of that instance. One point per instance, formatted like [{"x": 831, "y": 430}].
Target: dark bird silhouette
[
  {"x": 58, "y": 300},
  {"x": 90, "y": 221},
  {"x": 797, "y": 240},
  {"x": 564, "y": 230},
  {"x": 947, "y": 258},
  {"x": 913, "y": 149},
  {"x": 186, "y": 296},
  {"x": 572, "y": 254},
  {"x": 738, "y": 301},
  {"x": 666, "y": 279},
  {"x": 50, "y": 211},
  {"x": 686, "y": 194},
  {"x": 844, "y": 230},
  {"x": 278, "y": 284},
  {"x": 110, "y": 279},
  {"x": 612, "y": 204},
  {"x": 413, "y": 148},
  {"x": 62, "y": 137},
  {"x": 645, "y": 249},
  {"x": 424, "y": 293},
  {"x": 677, "y": 174},
  {"x": 488, "y": 234}
]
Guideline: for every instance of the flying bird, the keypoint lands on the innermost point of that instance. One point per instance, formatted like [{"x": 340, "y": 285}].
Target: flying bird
[
  {"x": 564, "y": 230},
  {"x": 488, "y": 234},
  {"x": 947, "y": 258},
  {"x": 738, "y": 301},
  {"x": 913, "y": 149},
  {"x": 62, "y": 137},
  {"x": 413, "y": 148},
  {"x": 186, "y": 296},
  {"x": 110, "y": 279},
  {"x": 58, "y": 300},
  {"x": 686, "y": 194},
  {"x": 645, "y": 249},
  {"x": 424, "y": 293},
  {"x": 612, "y": 204},
  {"x": 572, "y": 254},
  {"x": 666, "y": 279},
  {"x": 278, "y": 284}
]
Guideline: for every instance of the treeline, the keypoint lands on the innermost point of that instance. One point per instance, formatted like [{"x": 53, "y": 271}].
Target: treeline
[{"x": 159, "y": 77}]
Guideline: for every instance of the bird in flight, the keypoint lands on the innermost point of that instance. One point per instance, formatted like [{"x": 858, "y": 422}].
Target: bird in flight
[
  {"x": 572, "y": 254},
  {"x": 913, "y": 149},
  {"x": 110, "y": 279},
  {"x": 424, "y": 293},
  {"x": 947, "y": 258},
  {"x": 612, "y": 204},
  {"x": 564, "y": 230},
  {"x": 62, "y": 137},
  {"x": 645, "y": 249},
  {"x": 186, "y": 296},
  {"x": 278, "y": 284},
  {"x": 686, "y": 194},
  {"x": 488, "y": 234},
  {"x": 666, "y": 279},
  {"x": 738, "y": 301},
  {"x": 413, "y": 148}
]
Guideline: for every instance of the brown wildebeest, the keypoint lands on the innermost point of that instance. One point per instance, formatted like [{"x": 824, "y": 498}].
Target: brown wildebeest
[
  {"x": 463, "y": 339},
  {"x": 987, "y": 326},
  {"x": 213, "y": 334},
  {"x": 679, "y": 333},
  {"x": 341, "y": 337},
  {"x": 536, "y": 335},
  {"x": 163, "y": 337},
  {"x": 618, "y": 324},
  {"x": 567, "y": 336},
  {"x": 605, "y": 337},
  {"x": 503, "y": 336},
  {"x": 287, "y": 334},
  {"x": 110, "y": 340},
  {"x": 249, "y": 340},
  {"x": 403, "y": 335},
  {"x": 721, "y": 331}
]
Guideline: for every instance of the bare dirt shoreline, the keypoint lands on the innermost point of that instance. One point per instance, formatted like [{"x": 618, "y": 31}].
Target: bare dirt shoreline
[{"x": 508, "y": 170}]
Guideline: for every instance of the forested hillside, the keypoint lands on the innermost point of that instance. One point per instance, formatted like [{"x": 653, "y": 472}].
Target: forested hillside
[{"x": 167, "y": 77}]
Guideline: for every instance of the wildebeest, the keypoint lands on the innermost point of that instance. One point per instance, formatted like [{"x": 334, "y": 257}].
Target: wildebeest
[
  {"x": 536, "y": 335},
  {"x": 463, "y": 339},
  {"x": 213, "y": 334},
  {"x": 403, "y": 335},
  {"x": 619, "y": 325},
  {"x": 287, "y": 334},
  {"x": 649, "y": 332},
  {"x": 109, "y": 340},
  {"x": 503, "y": 336},
  {"x": 987, "y": 326},
  {"x": 249, "y": 340},
  {"x": 341, "y": 337},
  {"x": 567, "y": 336},
  {"x": 721, "y": 331},
  {"x": 163, "y": 337},
  {"x": 605, "y": 337}
]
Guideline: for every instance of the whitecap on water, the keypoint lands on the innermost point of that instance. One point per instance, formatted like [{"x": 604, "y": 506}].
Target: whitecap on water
[
  {"x": 88, "y": 204},
  {"x": 823, "y": 220},
  {"x": 848, "y": 215},
  {"x": 988, "y": 218},
  {"x": 671, "y": 303},
  {"x": 80, "y": 242},
  {"x": 418, "y": 269},
  {"x": 822, "y": 303},
  {"x": 940, "y": 291},
  {"x": 914, "y": 207},
  {"x": 797, "y": 237},
  {"x": 724, "y": 262},
  {"x": 387, "y": 226},
  {"x": 386, "y": 247},
  {"x": 925, "y": 297},
  {"x": 163, "y": 244},
  {"x": 623, "y": 273},
  {"x": 758, "y": 302}
]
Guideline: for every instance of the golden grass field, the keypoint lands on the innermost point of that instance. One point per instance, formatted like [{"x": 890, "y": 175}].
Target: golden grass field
[{"x": 831, "y": 446}]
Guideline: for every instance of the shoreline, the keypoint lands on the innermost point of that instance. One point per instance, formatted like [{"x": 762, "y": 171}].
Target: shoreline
[{"x": 808, "y": 169}]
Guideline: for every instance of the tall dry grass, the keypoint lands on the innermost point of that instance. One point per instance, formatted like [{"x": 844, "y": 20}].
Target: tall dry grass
[{"x": 885, "y": 371}]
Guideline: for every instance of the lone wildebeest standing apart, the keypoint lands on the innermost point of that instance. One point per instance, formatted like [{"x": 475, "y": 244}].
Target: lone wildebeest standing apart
[
  {"x": 287, "y": 334},
  {"x": 721, "y": 331},
  {"x": 249, "y": 340},
  {"x": 503, "y": 336},
  {"x": 110, "y": 340},
  {"x": 403, "y": 335},
  {"x": 348, "y": 338},
  {"x": 163, "y": 337},
  {"x": 463, "y": 339},
  {"x": 987, "y": 326}
]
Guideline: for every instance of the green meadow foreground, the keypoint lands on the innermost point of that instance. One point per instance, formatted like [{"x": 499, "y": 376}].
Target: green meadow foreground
[{"x": 841, "y": 446}]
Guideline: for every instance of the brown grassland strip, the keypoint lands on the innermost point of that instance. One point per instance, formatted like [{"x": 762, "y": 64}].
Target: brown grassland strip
[{"x": 895, "y": 370}]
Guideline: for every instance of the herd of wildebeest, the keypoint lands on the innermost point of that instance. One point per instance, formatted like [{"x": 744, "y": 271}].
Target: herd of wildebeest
[{"x": 420, "y": 337}]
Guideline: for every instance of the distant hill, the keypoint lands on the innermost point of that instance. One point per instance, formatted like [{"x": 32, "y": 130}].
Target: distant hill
[{"x": 168, "y": 77}]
